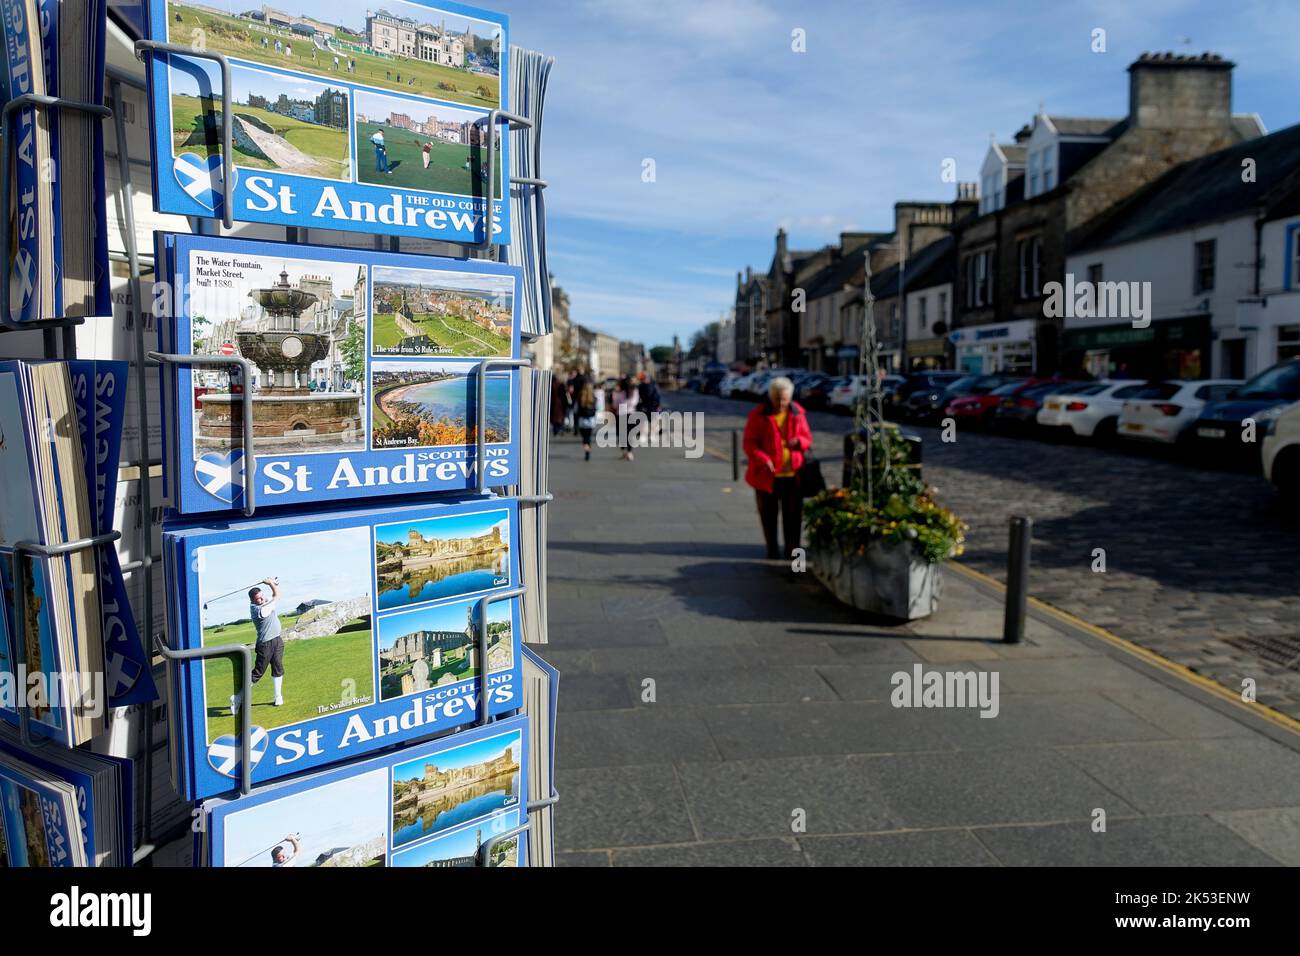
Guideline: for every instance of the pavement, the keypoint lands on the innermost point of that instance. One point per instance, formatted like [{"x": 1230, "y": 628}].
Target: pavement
[
  {"x": 720, "y": 709},
  {"x": 1200, "y": 561}
]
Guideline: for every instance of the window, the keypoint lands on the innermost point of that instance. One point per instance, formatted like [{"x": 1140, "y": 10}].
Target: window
[
  {"x": 943, "y": 308},
  {"x": 986, "y": 195},
  {"x": 1094, "y": 274},
  {"x": 1295, "y": 255},
  {"x": 920, "y": 312},
  {"x": 1033, "y": 175},
  {"x": 981, "y": 277},
  {"x": 1029, "y": 255},
  {"x": 1049, "y": 171},
  {"x": 893, "y": 321},
  {"x": 1204, "y": 277}
]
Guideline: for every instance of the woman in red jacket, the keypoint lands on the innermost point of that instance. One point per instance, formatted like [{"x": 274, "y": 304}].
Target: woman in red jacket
[{"x": 777, "y": 438}]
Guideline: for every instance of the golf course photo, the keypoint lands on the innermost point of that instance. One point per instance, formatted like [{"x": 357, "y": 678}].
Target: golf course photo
[
  {"x": 448, "y": 335},
  {"x": 447, "y": 172},
  {"x": 342, "y": 51},
  {"x": 315, "y": 672},
  {"x": 263, "y": 139}
]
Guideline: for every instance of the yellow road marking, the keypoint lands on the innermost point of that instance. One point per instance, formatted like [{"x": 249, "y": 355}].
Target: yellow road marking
[{"x": 1149, "y": 656}]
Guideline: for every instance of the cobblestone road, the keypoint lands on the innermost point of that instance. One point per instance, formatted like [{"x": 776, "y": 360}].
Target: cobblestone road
[{"x": 1202, "y": 566}]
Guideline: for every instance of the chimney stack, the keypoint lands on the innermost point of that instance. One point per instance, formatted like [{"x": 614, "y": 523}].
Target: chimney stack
[{"x": 1172, "y": 91}]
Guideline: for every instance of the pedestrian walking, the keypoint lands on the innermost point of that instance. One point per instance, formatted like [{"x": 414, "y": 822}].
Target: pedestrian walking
[
  {"x": 590, "y": 403},
  {"x": 576, "y": 381},
  {"x": 649, "y": 402},
  {"x": 625, "y": 403},
  {"x": 777, "y": 440},
  {"x": 559, "y": 406}
]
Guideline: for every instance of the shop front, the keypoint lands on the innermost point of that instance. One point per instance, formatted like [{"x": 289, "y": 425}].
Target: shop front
[
  {"x": 1006, "y": 347},
  {"x": 1165, "y": 349},
  {"x": 926, "y": 354}
]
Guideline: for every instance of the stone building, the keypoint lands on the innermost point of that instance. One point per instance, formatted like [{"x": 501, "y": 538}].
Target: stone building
[
  {"x": 404, "y": 37},
  {"x": 1055, "y": 181}
]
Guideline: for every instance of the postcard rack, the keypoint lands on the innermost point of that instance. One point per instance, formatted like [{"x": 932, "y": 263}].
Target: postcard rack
[{"x": 142, "y": 357}]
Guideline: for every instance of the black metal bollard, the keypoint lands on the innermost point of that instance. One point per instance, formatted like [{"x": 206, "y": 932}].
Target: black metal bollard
[
  {"x": 1013, "y": 626},
  {"x": 735, "y": 455}
]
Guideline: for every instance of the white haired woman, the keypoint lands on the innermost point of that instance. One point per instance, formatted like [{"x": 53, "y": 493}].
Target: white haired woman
[{"x": 777, "y": 440}]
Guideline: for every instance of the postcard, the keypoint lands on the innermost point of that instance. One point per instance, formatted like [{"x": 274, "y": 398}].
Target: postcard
[
  {"x": 456, "y": 801},
  {"x": 364, "y": 626},
  {"x": 365, "y": 372},
  {"x": 343, "y": 116}
]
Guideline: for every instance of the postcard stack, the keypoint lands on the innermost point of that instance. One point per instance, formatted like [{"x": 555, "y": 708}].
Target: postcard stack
[
  {"x": 58, "y": 252},
  {"x": 63, "y": 807}
]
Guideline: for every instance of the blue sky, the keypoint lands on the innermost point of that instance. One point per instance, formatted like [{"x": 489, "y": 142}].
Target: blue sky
[{"x": 747, "y": 135}]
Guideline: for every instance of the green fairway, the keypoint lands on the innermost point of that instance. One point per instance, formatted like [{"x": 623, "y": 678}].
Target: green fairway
[
  {"x": 459, "y": 337},
  {"x": 243, "y": 38},
  {"x": 326, "y": 147},
  {"x": 315, "y": 672},
  {"x": 446, "y": 172}
]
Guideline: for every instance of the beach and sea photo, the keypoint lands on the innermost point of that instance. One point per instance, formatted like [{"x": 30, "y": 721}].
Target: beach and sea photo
[
  {"x": 431, "y": 404},
  {"x": 321, "y": 601},
  {"x": 435, "y": 793},
  {"x": 418, "y": 562}
]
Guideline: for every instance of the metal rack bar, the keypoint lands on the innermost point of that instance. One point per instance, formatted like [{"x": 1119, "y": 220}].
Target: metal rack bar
[
  {"x": 481, "y": 609},
  {"x": 485, "y": 848},
  {"x": 151, "y": 47},
  {"x": 7, "y": 323},
  {"x": 246, "y": 402},
  {"x": 545, "y": 499},
  {"x": 19, "y": 630},
  {"x": 480, "y": 432},
  {"x": 245, "y": 673},
  {"x": 513, "y": 121}
]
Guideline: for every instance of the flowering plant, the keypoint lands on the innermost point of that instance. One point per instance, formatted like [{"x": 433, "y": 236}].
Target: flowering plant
[{"x": 844, "y": 517}]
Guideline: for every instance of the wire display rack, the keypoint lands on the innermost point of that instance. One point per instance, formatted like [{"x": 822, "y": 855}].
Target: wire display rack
[{"x": 59, "y": 336}]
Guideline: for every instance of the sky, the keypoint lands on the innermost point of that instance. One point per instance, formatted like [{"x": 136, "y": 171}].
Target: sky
[
  {"x": 479, "y": 752},
  {"x": 472, "y": 525},
  {"x": 319, "y": 566},
  {"x": 747, "y": 135}
]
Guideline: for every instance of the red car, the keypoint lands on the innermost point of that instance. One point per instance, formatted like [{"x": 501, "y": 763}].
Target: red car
[{"x": 978, "y": 409}]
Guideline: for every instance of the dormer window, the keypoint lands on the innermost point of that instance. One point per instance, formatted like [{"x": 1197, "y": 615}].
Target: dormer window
[
  {"x": 1033, "y": 176},
  {"x": 1049, "y": 169}
]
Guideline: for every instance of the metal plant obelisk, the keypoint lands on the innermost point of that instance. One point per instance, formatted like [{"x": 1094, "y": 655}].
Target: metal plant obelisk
[{"x": 868, "y": 409}]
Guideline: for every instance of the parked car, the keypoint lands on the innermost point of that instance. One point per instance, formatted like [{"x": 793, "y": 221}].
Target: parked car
[
  {"x": 814, "y": 390},
  {"x": 727, "y": 383},
  {"x": 710, "y": 380},
  {"x": 915, "y": 382},
  {"x": 889, "y": 391},
  {"x": 928, "y": 404},
  {"x": 1219, "y": 429},
  {"x": 1162, "y": 411},
  {"x": 978, "y": 409},
  {"x": 845, "y": 393},
  {"x": 1280, "y": 451},
  {"x": 1018, "y": 412},
  {"x": 1091, "y": 412}
]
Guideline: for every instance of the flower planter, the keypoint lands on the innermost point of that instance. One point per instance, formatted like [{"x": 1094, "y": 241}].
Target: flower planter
[{"x": 887, "y": 579}]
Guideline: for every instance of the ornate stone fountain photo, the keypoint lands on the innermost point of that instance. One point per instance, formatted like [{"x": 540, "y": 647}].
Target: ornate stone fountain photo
[{"x": 285, "y": 410}]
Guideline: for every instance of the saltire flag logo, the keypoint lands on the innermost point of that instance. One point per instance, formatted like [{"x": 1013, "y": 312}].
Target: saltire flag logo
[
  {"x": 223, "y": 753},
  {"x": 221, "y": 476},
  {"x": 201, "y": 178}
]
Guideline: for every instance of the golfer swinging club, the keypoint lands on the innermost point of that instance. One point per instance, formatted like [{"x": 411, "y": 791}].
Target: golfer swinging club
[
  {"x": 280, "y": 858},
  {"x": 270, "y": 645}
]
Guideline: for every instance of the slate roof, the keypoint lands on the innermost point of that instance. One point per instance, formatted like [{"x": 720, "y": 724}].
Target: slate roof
[{"x": 1207, "y": 189}]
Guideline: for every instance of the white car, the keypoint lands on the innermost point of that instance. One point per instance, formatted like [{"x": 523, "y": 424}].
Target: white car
[
  {"x": 728, "y": 383},
  {"x": 1281, "y": 451},
  {"x": 1090, "y": 411},
  {"x": 845, "y": 395},
  {"x": 1162, "y": 410}
]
